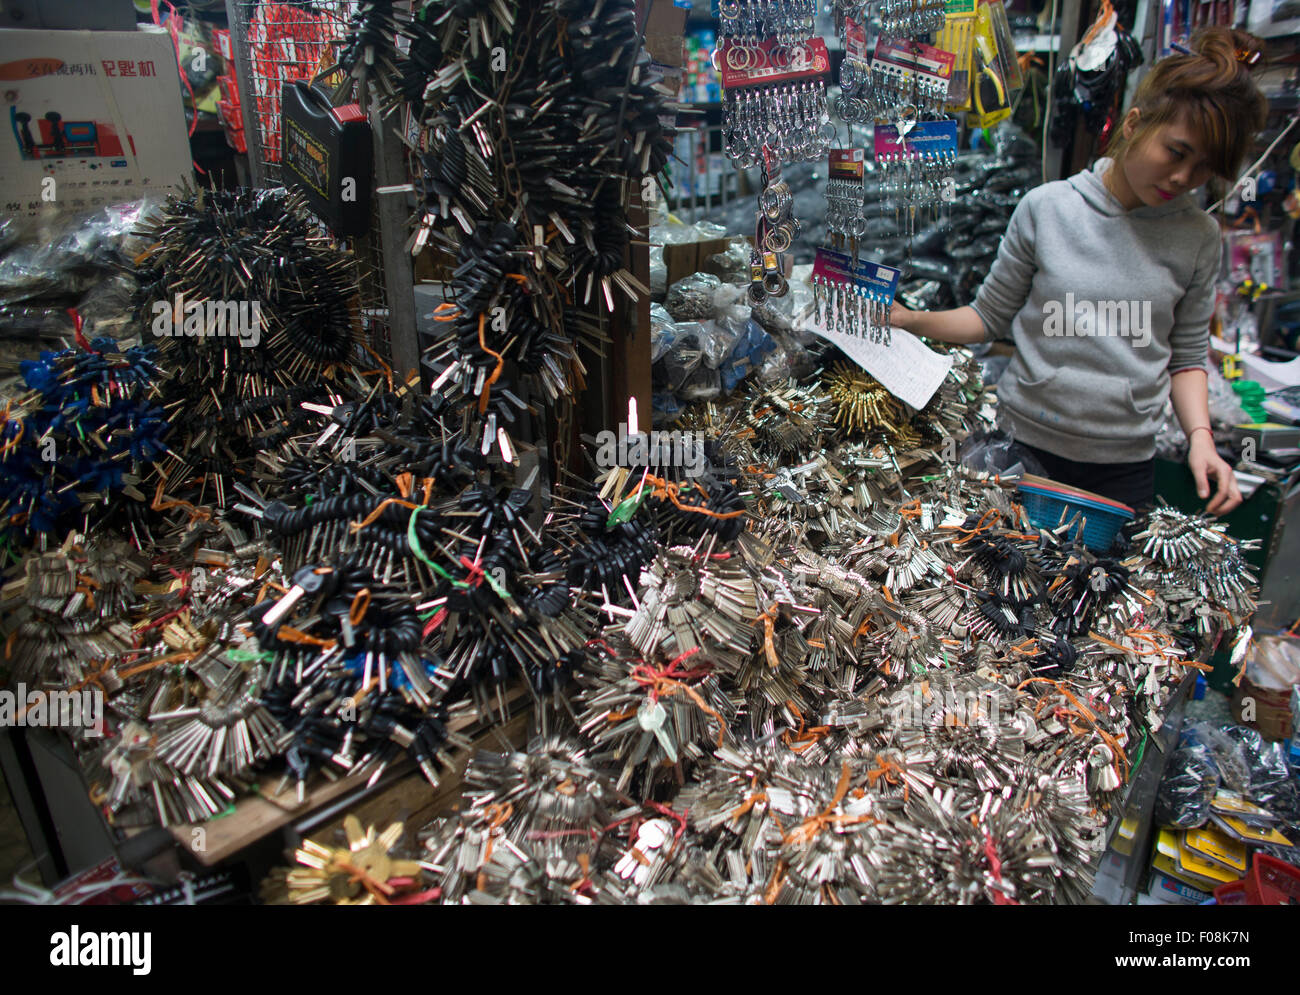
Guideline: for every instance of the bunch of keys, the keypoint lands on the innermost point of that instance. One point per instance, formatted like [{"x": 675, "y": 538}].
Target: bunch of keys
[
  {"x": 903, "y": 97},
  {"x": 791, "y": 121},
  {"x": 850, "y": 309},
  {"x": 844, "y": 205},
  {"x": 916, "y": 181},
  {"x": 788, "y": 21},
  {"x": 911, "y": 18},
  {"x": 774, "y": 234}
]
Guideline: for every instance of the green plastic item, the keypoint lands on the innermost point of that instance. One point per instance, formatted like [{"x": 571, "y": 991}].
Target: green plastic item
[{"x": 1251, "y": 394}]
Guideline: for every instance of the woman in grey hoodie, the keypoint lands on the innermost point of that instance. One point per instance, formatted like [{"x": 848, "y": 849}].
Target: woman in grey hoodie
[{"x": 1104, "y": 283}]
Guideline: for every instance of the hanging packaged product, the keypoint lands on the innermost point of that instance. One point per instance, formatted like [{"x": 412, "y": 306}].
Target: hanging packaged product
[
  {"x": 910, "y": 18},
  {"x": 774, "y": 232},
  {"x": 788, "y": 21},
  {"x": 775, "y": 97},
  {"x": 844, "y": 194},
  {"x": 771, "y": 62},
  {"x": 327, "y": 156},
  {"x": 916, "y": 169},
  {"x": 995, "y": 71},
  {"x": 853, "y": 297},
  {"x": 909, "y": 79},
  {"x": 900, "y": 81},
  {"x": 958, "y": 37}
]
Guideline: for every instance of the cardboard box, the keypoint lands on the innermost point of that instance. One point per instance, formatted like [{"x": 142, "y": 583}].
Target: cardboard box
[
  {"x": 665, "y": 32},
  {"x": 97, "y": 112}
]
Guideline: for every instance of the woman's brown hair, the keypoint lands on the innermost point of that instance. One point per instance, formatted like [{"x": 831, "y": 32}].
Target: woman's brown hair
[{"x": 1212, "y": 89}]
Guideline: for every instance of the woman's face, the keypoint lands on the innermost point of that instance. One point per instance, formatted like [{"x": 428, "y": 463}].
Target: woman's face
[{"x": 1171, "y": 161}]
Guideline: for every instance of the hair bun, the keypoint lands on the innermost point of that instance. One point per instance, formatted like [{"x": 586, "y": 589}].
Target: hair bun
[{"x": 1231, "y": 51}]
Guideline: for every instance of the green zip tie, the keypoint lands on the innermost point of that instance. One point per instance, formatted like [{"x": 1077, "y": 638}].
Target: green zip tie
[
  {"x": 247, "y": 656},
  {"x": 414, "y": 542},
  {"x": 626, "y": 508}
]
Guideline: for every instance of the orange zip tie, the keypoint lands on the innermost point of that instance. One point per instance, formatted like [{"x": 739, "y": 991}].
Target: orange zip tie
[
  {"x": 662, "y": 488},
  {"x": 892, "y": 774},
  {"x": 1086, "y": 713},
  {"x": 498, "y": 814},
  {"x": 360, "y": 605},
  {"x": 22, "y": 427},
  {"x": 384, "y": 368},
  {"x": 181, "y": 657},
  {"x": 487, "y": 387},
  {"x": 774, "y": 883},
  {"x": 294, "y": 636},
  {"x": 768, "y": 618},
  {"x": 809, "y": 829},
  {"x": 358, "y": 526},
  {"x": 750, "y": 802}
]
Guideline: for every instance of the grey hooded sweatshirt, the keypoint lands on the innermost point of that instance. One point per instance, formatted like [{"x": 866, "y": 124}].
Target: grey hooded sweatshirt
[{"x": 1103, "y": 305}]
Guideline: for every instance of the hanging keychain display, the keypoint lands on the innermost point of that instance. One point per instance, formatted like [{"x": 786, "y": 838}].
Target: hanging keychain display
[
  {"x": 775, "y": 97},
  {"x": 911, "y": 18},
  {"x": 907, "y": 81},
  {"x": 790, "y": 22},
  {"x": 916, "y": 169},
  {"x": 844, "y": 196},
  {"x": 853, "y": 297},
  {"x": 773, "y": 235}
]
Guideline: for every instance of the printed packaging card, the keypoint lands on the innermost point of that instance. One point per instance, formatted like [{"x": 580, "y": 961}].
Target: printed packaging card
[
  {"x": 1216, "y": 847},
  {"x": 95, "y": 117}
]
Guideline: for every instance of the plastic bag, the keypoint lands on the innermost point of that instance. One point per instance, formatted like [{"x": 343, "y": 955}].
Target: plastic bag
[
  {"x": 746, "y": 354},
  {"x": 715, "y": 343},
  {"x": 1222, "y": 751},
  {"x": 731, "y": 308},
  {"x": 691, "y": 298},
  {"x": 1270, "y": 779},
  {"x": 997, "y": 453},
  {"x": 61, "y": 257},
  {"x": 662, "y": 332},
  {"x": 732, "y": 264},
  {"x": 1185, "y": 792},
  {"x": 1274, "y": 663},
  {"x": 681, "y": 358},
  {"x": 1225, "y": 405},
  {"x": 658, "y": 273}
]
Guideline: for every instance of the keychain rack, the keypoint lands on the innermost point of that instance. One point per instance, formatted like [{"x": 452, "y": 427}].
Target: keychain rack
[{"x": 275, "y": 42}]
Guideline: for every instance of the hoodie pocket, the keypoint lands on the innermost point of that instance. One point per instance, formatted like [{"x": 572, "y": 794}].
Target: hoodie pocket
[{"x": 1084, "y": 404}]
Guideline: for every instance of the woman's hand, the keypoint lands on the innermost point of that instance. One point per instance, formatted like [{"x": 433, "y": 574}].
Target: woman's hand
[
  {"x": 899, "y": 316},
  {"x": 1206, "y": 465}
]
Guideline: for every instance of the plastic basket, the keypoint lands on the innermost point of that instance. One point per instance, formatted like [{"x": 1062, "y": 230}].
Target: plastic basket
[
  {"x": 1048, "y": 508},
  {"x": 1269, "y": 882}
]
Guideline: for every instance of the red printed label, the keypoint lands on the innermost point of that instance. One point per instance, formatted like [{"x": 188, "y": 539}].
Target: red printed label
[
  {"x": 855, "y": 40},
  {"x": 913, "y": 59},
  {"x": 772, "y": 62},
  {"x": 846, "y": 164}
]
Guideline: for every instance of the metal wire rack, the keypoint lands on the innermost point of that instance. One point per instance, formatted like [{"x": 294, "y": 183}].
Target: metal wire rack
[{"x": 276, "y": 42}]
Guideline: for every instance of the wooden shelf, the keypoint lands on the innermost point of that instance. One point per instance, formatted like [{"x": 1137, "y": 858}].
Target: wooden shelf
[{"x": 257, "y": 816}]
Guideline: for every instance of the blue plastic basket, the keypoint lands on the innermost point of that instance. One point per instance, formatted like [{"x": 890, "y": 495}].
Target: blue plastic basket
[{"x": 1100, "y": 522}]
